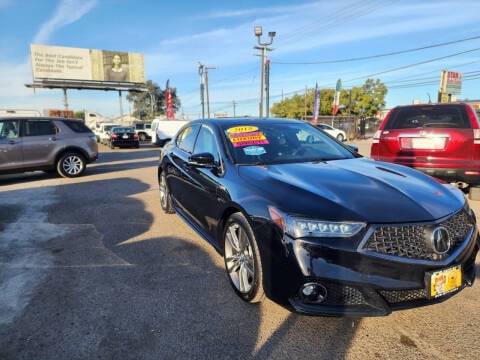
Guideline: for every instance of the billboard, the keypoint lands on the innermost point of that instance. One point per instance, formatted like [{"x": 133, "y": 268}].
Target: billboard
[
  {"x": 451, "y": 82},
  {"x": 65, "y": 63}
]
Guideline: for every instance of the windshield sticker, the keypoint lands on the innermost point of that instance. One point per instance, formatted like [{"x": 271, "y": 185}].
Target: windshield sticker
[
  {"x": 254, "y": 150},
  {"x": 241, "y": 129},
  {"x": 248, "y": 138}
]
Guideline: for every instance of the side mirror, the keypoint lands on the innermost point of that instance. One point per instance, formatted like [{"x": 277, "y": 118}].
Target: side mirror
[
  {"x": 352, "y": 147},
  {"x": 203, "y": 160}
]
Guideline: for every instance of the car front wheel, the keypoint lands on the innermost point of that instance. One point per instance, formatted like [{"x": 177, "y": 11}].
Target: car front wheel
[
  {"x": 242, "y": 259},
  {"x": 340, "y": 137},
  {"x": 71, "y": 165}
]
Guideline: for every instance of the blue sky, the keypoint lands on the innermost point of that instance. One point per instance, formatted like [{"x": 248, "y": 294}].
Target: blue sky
[{"x": 176, "y": 35}]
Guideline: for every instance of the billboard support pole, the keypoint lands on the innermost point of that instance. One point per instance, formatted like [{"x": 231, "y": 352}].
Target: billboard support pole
[
  {"x": 65, "y": 99},
  {"x": 120, "y": 102}
]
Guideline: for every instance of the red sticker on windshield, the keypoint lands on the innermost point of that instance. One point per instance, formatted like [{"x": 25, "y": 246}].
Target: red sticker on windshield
[{"x": 248, "y": 138}]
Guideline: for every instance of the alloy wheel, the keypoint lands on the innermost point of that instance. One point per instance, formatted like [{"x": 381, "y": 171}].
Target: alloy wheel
[
  {"x": 163, "y": 191},
  {"x": 239, "y": 258},
  {"x": 72, "y": 165}
]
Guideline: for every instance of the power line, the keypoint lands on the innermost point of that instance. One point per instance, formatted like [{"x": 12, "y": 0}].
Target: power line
[
  {"x": 378, "y": 55},
  {"x": 412, "y": 65}
]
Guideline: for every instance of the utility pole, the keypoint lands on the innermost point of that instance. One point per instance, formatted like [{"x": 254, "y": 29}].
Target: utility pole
[
  {"x": 305, "y": 103},
  {"x": 206, "y": 88},
  {"x": 120, "y": 103},
  {"x": 263, "y": 47},
  {"x": 202, "y": 87},
  {"x": 65, "y": 99},
  {"x": 204, "y": 95},
  {"x": 267, "y": 87},
  {"x": 234, "y": 104}
]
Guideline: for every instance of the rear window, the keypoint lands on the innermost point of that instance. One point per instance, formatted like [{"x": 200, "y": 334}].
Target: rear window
[
  {"x": 444, "y": 116},
  {"x": 77, "y": 126},
  {"x": 123, "y": 130}
]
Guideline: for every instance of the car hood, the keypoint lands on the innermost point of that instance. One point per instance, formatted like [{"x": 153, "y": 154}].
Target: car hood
[{"x": 354, "y": 189}]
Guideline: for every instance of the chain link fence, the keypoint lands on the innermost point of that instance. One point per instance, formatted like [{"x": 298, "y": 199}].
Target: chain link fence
[{"x": 351, "y": 125}]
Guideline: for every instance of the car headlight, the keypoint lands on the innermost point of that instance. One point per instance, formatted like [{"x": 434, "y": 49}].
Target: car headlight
[{"x": 299, "y": 227}]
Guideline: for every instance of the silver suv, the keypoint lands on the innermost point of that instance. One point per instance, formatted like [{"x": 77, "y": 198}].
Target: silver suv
[{"x": 49, "y": 144}]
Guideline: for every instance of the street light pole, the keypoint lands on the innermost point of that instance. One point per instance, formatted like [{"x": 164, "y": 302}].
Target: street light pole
[{"x": 263, "y": 47}]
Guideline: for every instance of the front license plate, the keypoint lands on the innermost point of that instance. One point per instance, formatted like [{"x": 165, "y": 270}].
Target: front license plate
[{"x": 444, "y": 281}]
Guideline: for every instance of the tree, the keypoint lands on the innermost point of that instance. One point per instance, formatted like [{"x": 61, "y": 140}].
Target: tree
[
  {"x": 366, "y": 100},
  {"x": 79, "y": 114},
  {"x": 142, "y": 101}
]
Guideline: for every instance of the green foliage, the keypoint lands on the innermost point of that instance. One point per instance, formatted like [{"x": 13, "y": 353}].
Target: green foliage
[
  {"x": 365, "y": 101},
  {"x": 79, "y": 114},
  {"x": 142, "y": 102}
]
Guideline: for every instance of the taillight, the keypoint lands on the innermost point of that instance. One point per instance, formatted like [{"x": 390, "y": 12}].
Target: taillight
[
  {"x": 135, "y": 136},
  {"x": 376, "y": 137},
  {"x": 113, "y": 136},
  {"x": 476, "y": 136}
]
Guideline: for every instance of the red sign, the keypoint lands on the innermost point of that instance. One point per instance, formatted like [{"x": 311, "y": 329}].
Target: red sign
[{"x": 169, "y": 103}]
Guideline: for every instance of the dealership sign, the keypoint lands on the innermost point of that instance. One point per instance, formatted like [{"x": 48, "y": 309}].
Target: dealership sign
[
  {"x": 90, "y": 65},
  {"x": 451, "y": 82}
]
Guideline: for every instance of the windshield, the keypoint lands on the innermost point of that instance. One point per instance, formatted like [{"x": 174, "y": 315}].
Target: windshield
[
  {"x": 281, "y": 143},
  {"x": 443, "y": 116}
]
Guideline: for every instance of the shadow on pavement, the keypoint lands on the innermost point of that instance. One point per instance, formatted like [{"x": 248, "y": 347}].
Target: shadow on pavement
[{"x": 112, "y": 291}]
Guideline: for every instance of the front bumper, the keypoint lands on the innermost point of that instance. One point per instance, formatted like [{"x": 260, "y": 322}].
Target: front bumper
[{"x": 359, "y": 283}]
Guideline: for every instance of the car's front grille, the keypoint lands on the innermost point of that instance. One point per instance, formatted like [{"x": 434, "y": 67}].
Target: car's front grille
[
  {"x": 413, "y": 241},
  {"x": 400, "y": 296}
]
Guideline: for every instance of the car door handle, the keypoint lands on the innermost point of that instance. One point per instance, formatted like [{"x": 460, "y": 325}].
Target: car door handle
[
  {"x": 53, "y": 138},
  {"x": 12, "y": 142}
]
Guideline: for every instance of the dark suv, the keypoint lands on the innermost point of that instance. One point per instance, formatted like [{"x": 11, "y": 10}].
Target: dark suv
[{"x": 50, "y": 144}]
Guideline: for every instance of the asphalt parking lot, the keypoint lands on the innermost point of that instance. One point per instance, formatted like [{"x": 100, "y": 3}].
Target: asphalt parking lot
[{"x": 91, "y": 268}]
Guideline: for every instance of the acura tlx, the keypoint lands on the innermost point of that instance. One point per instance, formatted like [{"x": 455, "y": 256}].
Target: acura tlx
[{"x": 305, "y": 220}]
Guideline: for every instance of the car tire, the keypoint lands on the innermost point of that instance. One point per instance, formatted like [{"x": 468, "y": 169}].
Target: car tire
[
  {"x": 71, "y": 165},
  {"x": 242, "y": 259},
  {"x": 474, "y": 193},
  {"x": 165, "y": 198},
  {"x": 142, "y": 137},
  {"x": 340, "y": 137}
]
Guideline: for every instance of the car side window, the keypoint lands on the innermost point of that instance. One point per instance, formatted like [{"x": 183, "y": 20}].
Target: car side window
[
  {"x": 39, "y": 128},
  {"x": 206, "y": 143},
  {"x": 186, "y": 139},
  {"x": 9, "y": 129}
]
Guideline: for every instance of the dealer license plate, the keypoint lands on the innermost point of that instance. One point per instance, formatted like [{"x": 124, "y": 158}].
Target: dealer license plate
[
  {"x": 444, "y": 281},
  {"x": 433, "y": 143},
  {"x": 125, "y": 136}
]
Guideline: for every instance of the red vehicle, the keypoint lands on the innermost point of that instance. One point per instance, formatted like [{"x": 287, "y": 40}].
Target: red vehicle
[{"x": 442, "y": 140}]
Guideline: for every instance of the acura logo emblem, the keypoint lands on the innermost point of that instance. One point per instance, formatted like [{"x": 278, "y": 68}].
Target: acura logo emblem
[{"x": 440, "y": 240}]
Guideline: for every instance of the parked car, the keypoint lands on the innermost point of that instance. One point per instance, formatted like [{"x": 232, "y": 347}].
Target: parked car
[
  {"x": 50, "y": 144},
  {"x": 144, "y": 131},
  {"x": 103, "y": 132},
  {"x": 442, "y": 140},
  {"x": 164, "y": 130},
  {"x": 311, "y": 224},
  {"x": 123, "y": 137},
  {"x": 340, "y": 135}
]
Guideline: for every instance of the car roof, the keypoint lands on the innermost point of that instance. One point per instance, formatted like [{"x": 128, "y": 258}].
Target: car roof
[
  {"x": 38, "y": 118},
  {"x": 246, "y": 121},
  {"x": 433, "y": 104}
]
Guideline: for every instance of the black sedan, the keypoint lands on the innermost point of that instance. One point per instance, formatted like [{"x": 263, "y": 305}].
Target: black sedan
[
  {"x": 123, "y": 137},
  {"x": 308, "y": 222}
]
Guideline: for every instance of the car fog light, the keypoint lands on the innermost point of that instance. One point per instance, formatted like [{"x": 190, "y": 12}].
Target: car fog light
[{"x": 313, "y": 293}]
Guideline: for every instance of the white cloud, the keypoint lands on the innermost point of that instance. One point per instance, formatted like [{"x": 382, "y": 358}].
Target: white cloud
[{"x": 67, "y": 12}]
